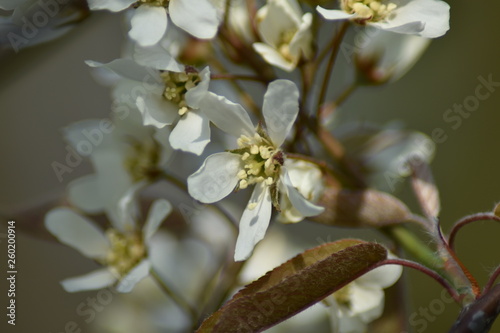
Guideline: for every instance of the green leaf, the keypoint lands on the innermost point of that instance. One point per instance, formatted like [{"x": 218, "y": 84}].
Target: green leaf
[
  {"x": 294, "y": 286},
  {"x": 361, "y": 208}
]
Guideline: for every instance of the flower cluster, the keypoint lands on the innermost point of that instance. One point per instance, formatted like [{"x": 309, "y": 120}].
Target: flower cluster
[{"x": 213, "y": 97}]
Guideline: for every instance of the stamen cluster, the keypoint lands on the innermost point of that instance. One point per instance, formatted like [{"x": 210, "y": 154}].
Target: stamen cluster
[
  {"x": 284, "y": 43},
  {"x": 142, "y": 159},
  {"x": 154, "y": 3},
  {"x": 177, "y": 85},
  {"x": 368, "y": 10},
  {"x": 261, "y": 160},
  {"x": 127, "y": 250}
]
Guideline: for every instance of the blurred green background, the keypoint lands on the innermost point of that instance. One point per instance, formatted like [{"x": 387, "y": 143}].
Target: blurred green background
[{"x": 45, "y": 88}]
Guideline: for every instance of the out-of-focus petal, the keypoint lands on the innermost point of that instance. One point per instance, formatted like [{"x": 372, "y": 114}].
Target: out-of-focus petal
[
  {"x": 92, "y": 281},
  {"x": 75, "y": 231},
  {"x": 139, "y": 272}
]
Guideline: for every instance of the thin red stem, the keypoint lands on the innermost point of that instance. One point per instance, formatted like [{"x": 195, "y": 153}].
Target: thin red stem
[
  {"x": 492, "y": 280},
  {"x": 411, "y": 264},
  {"x": 337, "y": 40},
  {"x": 469, "y": 219}
]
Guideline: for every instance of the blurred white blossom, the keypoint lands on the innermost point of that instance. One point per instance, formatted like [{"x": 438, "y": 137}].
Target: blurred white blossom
[
  {"x": 360, "y": 302},
  {"x": 387, "y": 56},
  {"x": 307, "y": 178},
  {"x": 122, "y": 250},
  {"x": 426, "y": 18},
  {"x": 285, "y": 32},
  {"x": 125, "y": 156}
]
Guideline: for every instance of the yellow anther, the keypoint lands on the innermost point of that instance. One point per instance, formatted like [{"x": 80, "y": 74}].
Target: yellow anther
[
  {"x": 252, "y": 205},
  {"x": 243, "y": 184},
  {"x": 254, "y": 150}
]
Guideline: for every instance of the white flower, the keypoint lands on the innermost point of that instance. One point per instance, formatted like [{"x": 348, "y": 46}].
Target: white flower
[
  {"x": 361, "y": 301},
  {"x": 383, "y": 153},
  {"x": 238, "y": 18},
  {"x": 286, "y": 34},
  {"x": 307, "y": 178},
  {"x": 426, "y": 18},
  {"x": 149, "y": 21},
  {"x": 387, "y": 56},
  {"x": 122, "y": 250},
  {"x": 124, "y": 153},
  {"x": 164, "y": 91},
  {"x": 258, "y": 161}
]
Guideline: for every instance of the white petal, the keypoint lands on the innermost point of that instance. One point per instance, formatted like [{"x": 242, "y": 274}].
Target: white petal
[
  {"x": 74, "y": 134},
  {"x": 156, "y": 110},
  {"x": 139, "y": 272},
  {"x": 129, "y": 69},
  {"x": 161, "y": 136},
  {"x": 195, "y": 96},
  {"x": 92, "y": 281},
  {"x": 381, "y": 277},
  {"x": 276, "y": 18},
  {"x": 432, "y": 15},
  {"x": 192, "y": 133},
  {"x": 157, "y": 57},
  {"x": 301, "y": 43},
  {"x": 393, "y": 54},
  {"x": 157, "y": 213},
  {"x": 254, "y": 222},
  {"x": 280, "y": 109},
  {"x": 149, "y": 24},
  {"x": 114, "y": 178},
  {"x": 127, "y": 211},
  {"x": 273, "y": 57},
  {"x": 412, "y": 28},
  {"x": 85, "y": 193},
  {"x": 216, "y": 178},
  {"x": 334, "y": 14},
  {"x": 197, "y": 17},
  {"x": 305, "y": 207},
  {"x": 367, "y": 303},
  {"x": 75, "y": 231},
  {"x": 112, "y": 5},
  {"x": 228, "y": 116}
]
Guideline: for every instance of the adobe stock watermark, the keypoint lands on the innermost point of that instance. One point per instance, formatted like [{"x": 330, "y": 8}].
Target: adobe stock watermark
[
  {"x": 92, "y": 138},
  {"x": 38, "y": 16},
  {"x": 89, "y": 308},
  {"x": 453, "y": 117},
  {"x": 361, "y": 37},
  {"x": 420, "y": 319}
]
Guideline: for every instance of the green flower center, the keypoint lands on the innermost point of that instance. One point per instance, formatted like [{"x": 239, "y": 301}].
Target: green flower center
[
  {"x": 284, "y": 43},
  {"x": 368, "y": 10},
  {"x": 155, "y": 3},
  {"x": 127, "y": 250},
  {"x": 177, "y": 85},
  {"x": 343, "y": 296},
  {"x": 142, "y": 160}
]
